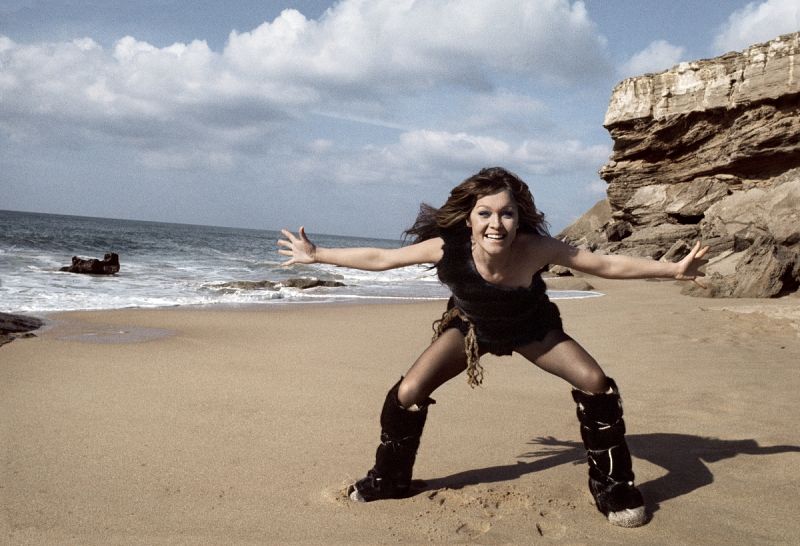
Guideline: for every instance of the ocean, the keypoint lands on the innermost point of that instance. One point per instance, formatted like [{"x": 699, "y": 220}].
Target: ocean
[{"x": 167, "y": 265}]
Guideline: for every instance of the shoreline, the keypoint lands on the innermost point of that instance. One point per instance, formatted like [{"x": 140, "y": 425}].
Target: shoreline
[
  {"x": 245, "y": 426},
  {"x": 573, "y": 288},
  {"x": 65, "y": 324},
  {"x": 785, "y": 308}
]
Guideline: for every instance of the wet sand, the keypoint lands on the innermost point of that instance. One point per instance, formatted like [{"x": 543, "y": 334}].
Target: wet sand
[{"x": 244, "y": 426}]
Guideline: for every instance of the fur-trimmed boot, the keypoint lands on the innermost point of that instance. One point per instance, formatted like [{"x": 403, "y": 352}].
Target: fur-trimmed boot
[
  {"x": 401, "y": 430},
  {"x": 610, "y": 471}
]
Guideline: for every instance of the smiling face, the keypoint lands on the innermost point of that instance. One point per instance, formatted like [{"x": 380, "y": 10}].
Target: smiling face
[{"x": 494, "y": 221}]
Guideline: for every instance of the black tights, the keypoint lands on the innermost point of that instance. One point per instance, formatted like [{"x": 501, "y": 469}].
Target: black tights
[{"x": 444, "y": 359}]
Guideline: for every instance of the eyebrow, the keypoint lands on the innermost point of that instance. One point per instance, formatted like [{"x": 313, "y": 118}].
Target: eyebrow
[{"x": 506, "y": 207}]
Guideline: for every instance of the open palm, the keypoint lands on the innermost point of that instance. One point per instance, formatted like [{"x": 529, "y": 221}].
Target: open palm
[
  {"x": 300, "y": 249},
  {"x": 689, "y": 267}
]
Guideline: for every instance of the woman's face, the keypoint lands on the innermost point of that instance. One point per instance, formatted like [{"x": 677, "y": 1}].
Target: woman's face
[{"x": 494, "y": 221}]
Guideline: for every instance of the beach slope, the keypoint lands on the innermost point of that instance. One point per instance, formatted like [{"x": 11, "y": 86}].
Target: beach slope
[{"x": 244, "y": 426}]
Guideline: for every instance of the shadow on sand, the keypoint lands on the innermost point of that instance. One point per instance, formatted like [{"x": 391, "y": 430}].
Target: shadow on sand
[{"x": 683, "y": 456}]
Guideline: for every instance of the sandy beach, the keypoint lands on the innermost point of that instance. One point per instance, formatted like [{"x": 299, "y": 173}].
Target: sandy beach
[{"x": 244, "y": 426}]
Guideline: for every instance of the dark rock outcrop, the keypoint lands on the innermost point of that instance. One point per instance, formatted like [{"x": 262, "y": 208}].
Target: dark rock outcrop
[
  {"x": 14, "y": 326},
  {"x": 109, "y": 265},
  {"x": 234, "y": 286},
  {"x": 567, "y": 283},
  {"x": 709, "y": 150},
  {"x": 309, "y": 282},
  {"x": 295, "y": 282}
]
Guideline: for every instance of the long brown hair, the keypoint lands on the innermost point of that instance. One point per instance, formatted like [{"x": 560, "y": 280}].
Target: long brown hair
[{"x": 452, "y": 216}]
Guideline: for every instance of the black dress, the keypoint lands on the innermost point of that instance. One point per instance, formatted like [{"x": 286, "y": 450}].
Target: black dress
[{"x": 503, "y": 318}]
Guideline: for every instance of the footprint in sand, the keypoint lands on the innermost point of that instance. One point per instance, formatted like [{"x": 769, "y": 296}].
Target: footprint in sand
[
  {"x": 474, "y": 511},
  {"x": 337, "y": 495}
]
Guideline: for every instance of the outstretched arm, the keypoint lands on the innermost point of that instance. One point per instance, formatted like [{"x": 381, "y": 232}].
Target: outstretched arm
[
  {"x": 627, "y": 267},
  {"x": 302, "y": 251}
]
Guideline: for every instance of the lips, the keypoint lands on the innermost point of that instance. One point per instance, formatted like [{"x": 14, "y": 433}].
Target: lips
[{"x": 495, "y": 236}]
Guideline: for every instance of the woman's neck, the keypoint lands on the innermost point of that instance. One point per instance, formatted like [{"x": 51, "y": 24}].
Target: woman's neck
[{"x": 496, "y": 266}]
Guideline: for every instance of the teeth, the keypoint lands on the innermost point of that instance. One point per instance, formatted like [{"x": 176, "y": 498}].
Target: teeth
[{"x": 496, "y": 237}]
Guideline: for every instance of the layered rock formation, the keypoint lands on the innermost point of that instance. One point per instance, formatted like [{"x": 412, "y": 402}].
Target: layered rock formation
[{"x": 708, "y": 150}]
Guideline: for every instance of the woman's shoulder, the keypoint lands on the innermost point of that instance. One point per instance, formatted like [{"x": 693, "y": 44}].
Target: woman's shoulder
[
  {"x": 427, "y": 251},
  {"x": 534, "y": 242},
  {"x": 536, "y": 249}
]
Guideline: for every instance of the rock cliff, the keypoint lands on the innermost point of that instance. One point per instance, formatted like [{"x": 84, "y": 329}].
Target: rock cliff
[{"x": 709, "y": 149}]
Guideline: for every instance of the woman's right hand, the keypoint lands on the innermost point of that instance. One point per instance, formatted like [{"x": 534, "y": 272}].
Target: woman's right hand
[{"x": 300, "y": 248}]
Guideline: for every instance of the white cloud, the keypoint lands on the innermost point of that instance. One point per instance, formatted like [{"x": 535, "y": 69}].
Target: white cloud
[
  {"x": 430, "y": 157},
  {"x": 503, "y": 110},
  {"x": 180, "y": 159},
  {"x": 551, "y": 156},
  {"x": 391, "y": 43},
  {"x": 758, "y": 22},
  {"x": 658, "y": 56},
  {"x": 438, "y": 146},
  {"x": 359, "y": 55},
  {"x": 439, "y": 89}
]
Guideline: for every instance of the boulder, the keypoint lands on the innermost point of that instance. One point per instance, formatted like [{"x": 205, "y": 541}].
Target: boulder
[
  {"x": 588, "y": 229},
  {"x": 109, "y": 265},
  {"x": 235, "y": 286},
  {"x": 567, "y": 283},
  {"x": 309, "y": 282},
  {"x": 774, "y": 210},
  {"x": 14, "y": 326},
  {"x": 764, "y": 270},
  {"x": 302, "y": 283}
]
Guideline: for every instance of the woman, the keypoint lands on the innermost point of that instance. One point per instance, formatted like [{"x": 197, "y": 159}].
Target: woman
[{"x": 489, "y": 245}]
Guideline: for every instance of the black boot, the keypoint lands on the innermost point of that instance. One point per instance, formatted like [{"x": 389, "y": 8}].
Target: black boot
[
  {"x": 401, "y": 430},
  {"x": 610, "y": 472}
]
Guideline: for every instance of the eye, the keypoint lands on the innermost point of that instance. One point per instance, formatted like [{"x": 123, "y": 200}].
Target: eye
[
  {"x": 484, "y": 213},
  {"x": 508, "y": 214}
]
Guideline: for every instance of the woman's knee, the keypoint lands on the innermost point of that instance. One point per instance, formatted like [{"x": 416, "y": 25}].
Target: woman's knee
[
  {"x": 410, "y": 392},
  {"x": 591, "y": 379}
]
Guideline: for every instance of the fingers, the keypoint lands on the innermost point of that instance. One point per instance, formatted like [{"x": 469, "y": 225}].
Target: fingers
[
  {"x": 697, "y": 251},
  {"x": 296, "y": 247},
  {"x": 693, "y": 252},
  {"x": 302, "y": 233},
  {"x": 697, "y": 254},
  {"x": 291, "y": 237}
]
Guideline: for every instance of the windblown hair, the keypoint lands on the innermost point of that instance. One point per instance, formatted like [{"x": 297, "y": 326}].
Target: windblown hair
[{"x": 452, "y": 216}]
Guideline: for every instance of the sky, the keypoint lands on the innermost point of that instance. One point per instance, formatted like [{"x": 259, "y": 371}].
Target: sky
[{"x": 340, "y": 116}]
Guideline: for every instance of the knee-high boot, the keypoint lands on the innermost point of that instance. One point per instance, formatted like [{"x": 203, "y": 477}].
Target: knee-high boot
[
  {"x": 401, "y": 430},
  {"x": 610, "y": 470}
]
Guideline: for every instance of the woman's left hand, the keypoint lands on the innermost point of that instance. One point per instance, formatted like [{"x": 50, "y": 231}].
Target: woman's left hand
[{"x": 689, "y": 267}]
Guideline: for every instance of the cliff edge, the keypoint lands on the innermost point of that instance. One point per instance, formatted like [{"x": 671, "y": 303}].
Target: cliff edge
[{"x": 708, "y": 150}]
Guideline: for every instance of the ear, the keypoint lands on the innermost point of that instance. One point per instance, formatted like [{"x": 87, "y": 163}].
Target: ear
[{"x": 469, "y": 224}]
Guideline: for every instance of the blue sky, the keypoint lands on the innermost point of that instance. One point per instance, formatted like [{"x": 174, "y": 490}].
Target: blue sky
[{"x": 342, "y": 116}]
